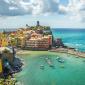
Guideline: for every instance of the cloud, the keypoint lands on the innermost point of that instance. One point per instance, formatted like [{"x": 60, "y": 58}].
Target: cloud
[
  {"x": 75, "y": 9},
  {"x": 63, "y": 9},
  {"x": 13, "y": 8},
  {"x": 22, "y": 7},
  {"x": 10, "y": 8}
]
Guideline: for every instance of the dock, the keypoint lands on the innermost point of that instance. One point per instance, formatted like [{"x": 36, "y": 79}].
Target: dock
[{"x": 69, "y": 51}]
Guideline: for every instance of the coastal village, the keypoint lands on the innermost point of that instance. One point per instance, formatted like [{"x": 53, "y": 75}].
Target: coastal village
[
  {"x": 33, "y": 38},
  {"x": 29, "y": 38}
]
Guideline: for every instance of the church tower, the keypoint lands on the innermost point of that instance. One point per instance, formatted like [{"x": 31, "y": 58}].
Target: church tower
[{"x": 38, "y": 23}]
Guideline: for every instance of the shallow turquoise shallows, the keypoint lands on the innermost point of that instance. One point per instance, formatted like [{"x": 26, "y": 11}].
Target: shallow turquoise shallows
[{"x": 71, "y": 72}]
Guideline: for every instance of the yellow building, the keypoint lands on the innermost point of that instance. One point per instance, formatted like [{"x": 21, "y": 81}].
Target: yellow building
[
  {"x": 1, "y": 69},
  {"x": 4, "y": 42},
  {"x": 20, "y": 42}
]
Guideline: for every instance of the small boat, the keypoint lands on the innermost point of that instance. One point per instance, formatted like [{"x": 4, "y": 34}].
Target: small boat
[
  {"x": 60, "y": 60},
  {"x": 41, "y": 66},
  {"x": 62, "y": 66},
  {"x": 41, "y": 57},
  {"x": 50, "y": 64},
  {"x": 57, "y": 58},
  {"x": 46, "y": 58}
]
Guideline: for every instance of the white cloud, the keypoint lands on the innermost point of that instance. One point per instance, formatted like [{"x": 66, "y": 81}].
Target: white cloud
[
  {"x": 7, "y": 1},
  {"x": 63, "y": 9},
  {"x": 19, "y": 7},
  {"x": 13, "y": 8},
  {"x": 75, "y": 9}
]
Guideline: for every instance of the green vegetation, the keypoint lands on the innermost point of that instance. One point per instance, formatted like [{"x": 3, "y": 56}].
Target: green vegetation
[
  {"x": 39, "y": 27},
  {"x": 46, "y": 29},
  {"x": 9, "y": 81}
]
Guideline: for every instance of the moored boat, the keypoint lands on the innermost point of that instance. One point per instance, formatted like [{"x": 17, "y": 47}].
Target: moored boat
[{"x": 41, "y": 66}]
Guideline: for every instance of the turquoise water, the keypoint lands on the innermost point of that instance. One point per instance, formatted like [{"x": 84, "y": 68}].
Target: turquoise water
[
  {"x": 73, "y": 72},
  {"x": 71, "y": 37}
]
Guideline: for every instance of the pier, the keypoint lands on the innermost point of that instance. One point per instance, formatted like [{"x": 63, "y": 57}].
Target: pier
[{"x": 69, "y": 51}]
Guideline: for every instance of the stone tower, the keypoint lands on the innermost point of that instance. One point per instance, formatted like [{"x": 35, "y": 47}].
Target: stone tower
[{"x": 38, "y": 23}]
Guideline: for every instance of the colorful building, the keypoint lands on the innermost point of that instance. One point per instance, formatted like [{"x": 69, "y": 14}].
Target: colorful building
[
  {"x": 34, "y": 39},
  {"x": 1, "y": 67},
  {"x": 39, "y": 43}
]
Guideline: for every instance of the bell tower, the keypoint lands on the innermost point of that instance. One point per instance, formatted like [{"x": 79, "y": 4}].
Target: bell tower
[{"x": 38, "y": 23}]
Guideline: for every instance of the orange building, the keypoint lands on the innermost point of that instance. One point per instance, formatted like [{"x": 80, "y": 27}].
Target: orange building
[{"x": 42, "y": 43}]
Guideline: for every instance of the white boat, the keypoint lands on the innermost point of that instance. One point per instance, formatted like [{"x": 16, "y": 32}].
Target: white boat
[
  {"x": 57, "y": 58},
  {"x": 41, "y": 66}
]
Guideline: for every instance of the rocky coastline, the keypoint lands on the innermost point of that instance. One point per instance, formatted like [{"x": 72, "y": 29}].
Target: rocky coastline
[
  {"x": 62, "y": 48},
  {"x": 69, "y": 51}
]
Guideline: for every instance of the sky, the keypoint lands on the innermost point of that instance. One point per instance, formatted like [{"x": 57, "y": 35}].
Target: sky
[{"x": 54, "y": 13}]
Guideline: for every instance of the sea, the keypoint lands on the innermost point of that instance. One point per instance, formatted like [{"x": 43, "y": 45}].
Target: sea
[
  {"x": 70, "y": 72},
  {"x": 71, "y": 37}
]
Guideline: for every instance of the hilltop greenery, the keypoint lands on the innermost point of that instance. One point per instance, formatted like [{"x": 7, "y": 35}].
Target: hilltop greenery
[
  {"x": 46, "y": 29},
  {"x": 39, "y": 27}
]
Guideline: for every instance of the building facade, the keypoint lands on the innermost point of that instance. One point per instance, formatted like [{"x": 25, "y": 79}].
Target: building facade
[{"x": 43, "y": 43}]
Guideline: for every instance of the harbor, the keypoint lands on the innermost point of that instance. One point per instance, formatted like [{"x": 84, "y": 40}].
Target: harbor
[{"x": 37, "y": 64}]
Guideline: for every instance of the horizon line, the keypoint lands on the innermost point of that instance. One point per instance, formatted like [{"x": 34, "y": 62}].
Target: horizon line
[{"x": 50, "y": 27}]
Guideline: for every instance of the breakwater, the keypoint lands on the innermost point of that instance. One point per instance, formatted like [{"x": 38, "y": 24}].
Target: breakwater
[{"x": 69, "y": 51}]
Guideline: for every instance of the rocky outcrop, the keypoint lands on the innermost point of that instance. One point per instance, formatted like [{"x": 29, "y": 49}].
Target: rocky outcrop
[{"x": 59, "y": 43}]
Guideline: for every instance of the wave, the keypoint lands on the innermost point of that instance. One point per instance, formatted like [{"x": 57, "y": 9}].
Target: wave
[{"x": 74, "y": 45}]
